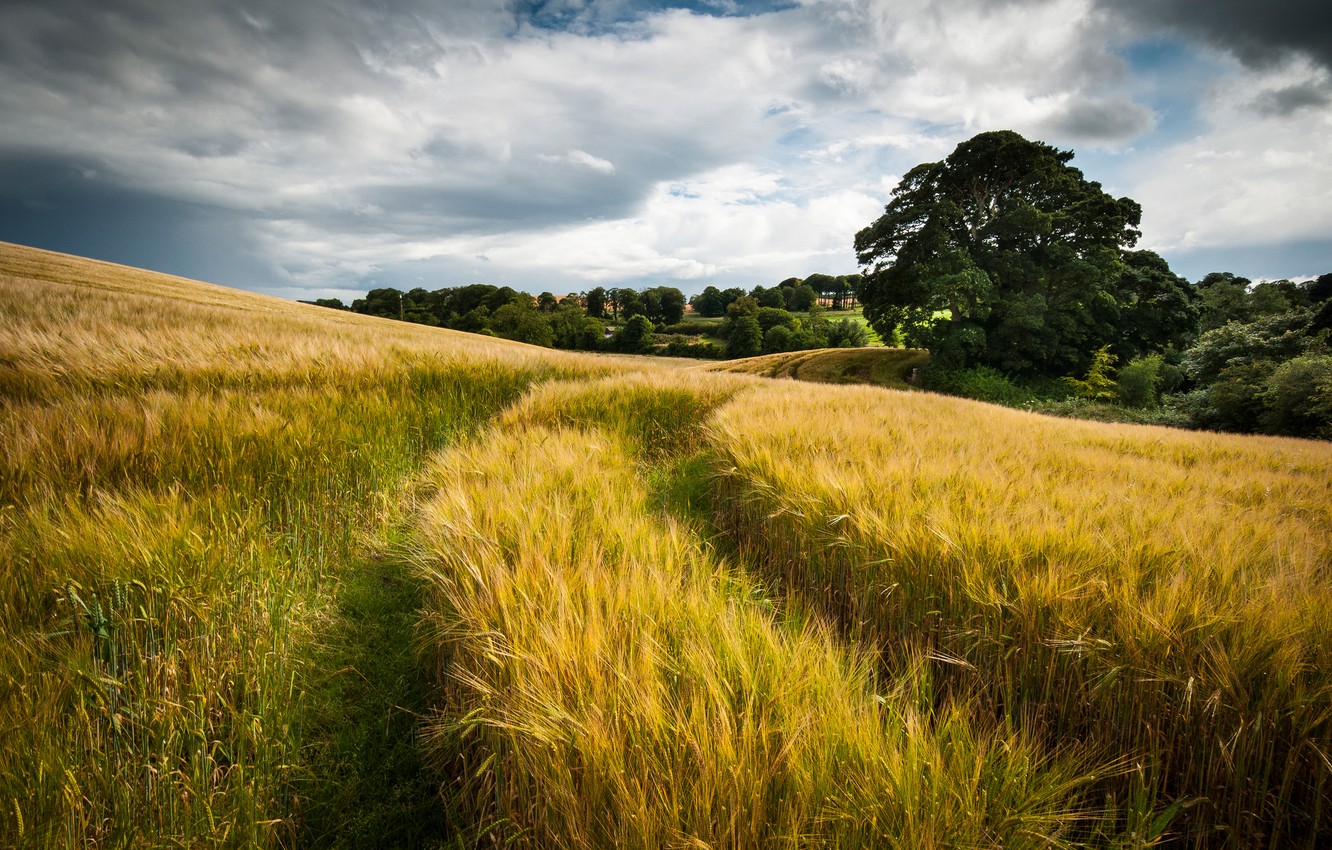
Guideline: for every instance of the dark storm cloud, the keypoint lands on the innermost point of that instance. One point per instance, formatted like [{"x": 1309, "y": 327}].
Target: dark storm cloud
[
  {"x": 1257, "y": 32},
  {"x": 67, "y": 206},
  {"x": 1100, "y": 121},
  {"x": 325, "y": 142},
  {"x": 220, "y": 104},
  {"x": 1292, "y": 99}
]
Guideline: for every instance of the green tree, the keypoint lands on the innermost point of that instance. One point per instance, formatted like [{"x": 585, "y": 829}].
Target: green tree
[
  {"x": 625, "y": 302},
  {"x": 651, "y": 301},
  {"x": 417, "y": 307},
  {"x": 523, "y": 324},
  {"x": 596, "y": 303},
  {"x": 746, "y": 338},
  {"x": 635, "y": 336},
  {"x": 1297, "y": 397},
  {"x": 507, "y": 295},
  {"x": 730, "y": 295},
  {"x": 1003, "y": 255},
  {"x": 474, "y": 320},
  {"x": 802, "y": 298},
  {"x": 1138, "y": 383},
  {"x": 385, "y": 303},
  {"x": 822, "y": 284},
  {"x": 464, "y": 299},
  {"x": 769, "y": 297},
  {"x": 1243, "y": 377},
  {"x": 1272, "y": 338},
  {"x": 1223, "y": 298},
  {"x": 1098, "y": 385},
  {"x": 778, "y": 338},
  {"x": 664, "y": 305},
  {"x": 813, "y": 333},
  {"x": 770, "y": 317},
  {"x": 709, "y": 302},
  {"x": 742, "y": 306},
  {"x": 1158, "y": 309},
  {"x": 847, "y": 333},
  {"x": 573, "y": 330}
]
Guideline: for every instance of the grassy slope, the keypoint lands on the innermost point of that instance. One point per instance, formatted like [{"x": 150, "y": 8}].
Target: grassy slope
[
  {"x": 937, "y": 623},
  {"x": 1155, "y": 594},
  {"x": 187, "y": 472},
  {"x": 884, "y": 367}
]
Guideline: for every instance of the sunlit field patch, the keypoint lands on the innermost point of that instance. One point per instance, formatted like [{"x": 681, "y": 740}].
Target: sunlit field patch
[{"x": 1156, "y": 594}]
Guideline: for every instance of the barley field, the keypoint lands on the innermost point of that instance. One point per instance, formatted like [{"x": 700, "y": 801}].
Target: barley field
[{"x": 279, "y": 576}]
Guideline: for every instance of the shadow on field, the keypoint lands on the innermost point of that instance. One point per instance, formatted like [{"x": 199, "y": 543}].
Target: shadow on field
[{"x": 370, "y": 786}]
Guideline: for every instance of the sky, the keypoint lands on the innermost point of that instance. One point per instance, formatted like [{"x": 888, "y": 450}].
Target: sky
[{"x": 320, "y": 148}]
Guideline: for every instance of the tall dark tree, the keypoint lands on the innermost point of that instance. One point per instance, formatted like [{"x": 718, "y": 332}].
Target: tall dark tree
[
  {"x": 708, "y": 302},
  {"x": 651, "y": 301},
  {"x": 465, "y": 299},
  {"x": 1158, "y": 309},
  {"x": 746, "y": 338},
  {"x": 769, "y": 297},
  {"x": 596, "y": 303},
  {"x": 635, "y": 336},
  {"x": 802, "y": 298},
  {"x": 628, "y": 303},
  {"x": 822, "y": 284},
  {"x": 1003, "y": 255},
  {"x": 385, "y": 303},
  {"x": 670, "y": 305}
]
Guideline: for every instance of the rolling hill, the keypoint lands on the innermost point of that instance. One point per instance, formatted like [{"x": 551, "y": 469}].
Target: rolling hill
[
  {"x": 276, "y": 576},
  {"x": 882, "y": 367}
]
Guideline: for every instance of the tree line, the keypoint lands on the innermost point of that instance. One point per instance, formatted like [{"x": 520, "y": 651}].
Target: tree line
[
  {"x": 793, "y": 295},
  {"x": 577, "y": 321},
  {"x": 785, "y": 317}
]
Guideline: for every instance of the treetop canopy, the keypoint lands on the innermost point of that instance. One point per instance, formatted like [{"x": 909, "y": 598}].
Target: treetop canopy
[{"x": 1002, "y": 254}]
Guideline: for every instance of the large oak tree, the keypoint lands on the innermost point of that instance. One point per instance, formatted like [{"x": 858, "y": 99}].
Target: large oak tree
[{"x": 1003, "y": 255}]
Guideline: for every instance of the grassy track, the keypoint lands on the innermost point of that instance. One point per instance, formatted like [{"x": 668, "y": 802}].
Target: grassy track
[
  {"x": 247, "y": 545},
  {"x": 610, "y": 683},
  {"x": 369, "y": 783}
]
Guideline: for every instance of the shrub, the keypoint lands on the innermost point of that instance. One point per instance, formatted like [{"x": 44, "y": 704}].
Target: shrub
[
  {"x": 979, "y": 382},
  {"x": 1098, "y": 385},
  {"x": 848, "y": 333},
  {"x": 1138, "y": 384},
  {"x": 771, "y": 317},
  {"x": 1298, "y": 397},
  {"x": 689, "y": 328},
  {"x": 778, "y": 338},
  {"x": 635, "y": 336},
  {"x": 680, "y": 346},
  {"x": 746, "y": 339}
]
